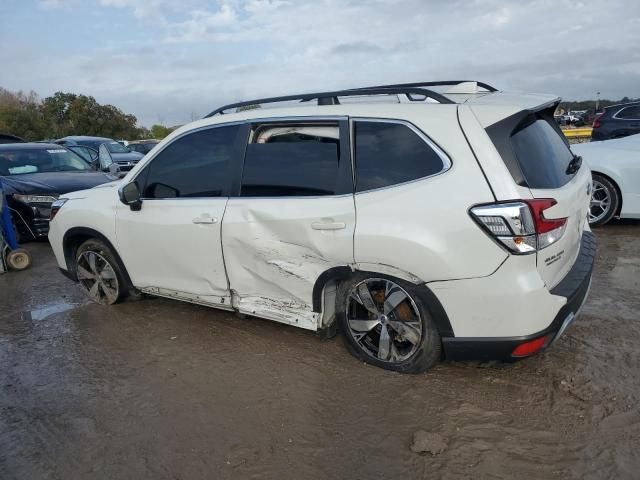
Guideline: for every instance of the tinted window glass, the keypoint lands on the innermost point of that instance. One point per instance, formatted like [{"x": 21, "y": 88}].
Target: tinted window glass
[
  {"x": 391, "y": 153},
  {"x": 542, "y": 154},
  {"x": 630, "y": 113},
  {"x": 195, "y": 165},
  {"x": 91, "y": 143},
  {"x": 297, "y": 163}
]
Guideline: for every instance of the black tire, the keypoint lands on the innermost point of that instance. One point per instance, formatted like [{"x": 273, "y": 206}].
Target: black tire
[
  {"x": 109, "y": 291},
  {"x": 613, "y": 194},
  {"x": 427, "y": 350}
]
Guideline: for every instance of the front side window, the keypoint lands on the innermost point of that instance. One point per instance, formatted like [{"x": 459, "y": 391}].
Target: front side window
[
  {"x": 292, "y": 160},
  {"x": 195, "y": 165},
  {"x": 389, "y": 153},
  {"x": 117, "y": 147}
]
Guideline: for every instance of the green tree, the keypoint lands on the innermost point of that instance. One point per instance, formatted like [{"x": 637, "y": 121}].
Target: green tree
[
  {"x": 20, "y": 114},
  {"x": 160, "y": 131}
]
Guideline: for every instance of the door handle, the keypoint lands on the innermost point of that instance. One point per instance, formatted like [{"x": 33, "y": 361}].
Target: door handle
[
  {"x": 205, "y": 219},
  {"x": 328, "y": 225}
]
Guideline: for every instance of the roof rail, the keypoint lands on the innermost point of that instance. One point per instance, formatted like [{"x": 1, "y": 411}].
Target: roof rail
[
  {"x": 331, "y": 98},
  {"x": 441, "y": 83}
]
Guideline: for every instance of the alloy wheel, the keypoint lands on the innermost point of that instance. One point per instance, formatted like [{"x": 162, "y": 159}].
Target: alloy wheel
[
  {"x": 384, "y": 320},
  {"x": 600, "y": 202},
  {"x": 97, "y": 277}
]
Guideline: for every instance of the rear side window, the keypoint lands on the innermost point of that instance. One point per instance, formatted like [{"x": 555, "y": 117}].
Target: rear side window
[
  {"x": 389, "y": 153},
  {"x": 542, "y": 154},
  {"x": 292, "y": 160},
  {"x": 629, "y": 113},
  {"x": 196, "y": 165}
]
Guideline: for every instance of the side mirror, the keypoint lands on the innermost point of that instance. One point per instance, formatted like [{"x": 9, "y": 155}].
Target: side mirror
[
  {"x": 130, "y": 195},
  {"x": 114, "y": 169}
]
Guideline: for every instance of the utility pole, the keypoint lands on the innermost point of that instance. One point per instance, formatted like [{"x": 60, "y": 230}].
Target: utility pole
[{"x": 597, "y": 101}]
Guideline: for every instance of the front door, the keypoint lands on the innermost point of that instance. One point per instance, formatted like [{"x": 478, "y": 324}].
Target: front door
[
  {"x": 292, "y": 220},
  {"x": 172, "y": 245}
]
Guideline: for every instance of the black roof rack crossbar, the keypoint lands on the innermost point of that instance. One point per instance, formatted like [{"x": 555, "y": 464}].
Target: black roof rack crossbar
[
  {"x": 331, "y": 98},
  {"x": 441, "y": 83}
]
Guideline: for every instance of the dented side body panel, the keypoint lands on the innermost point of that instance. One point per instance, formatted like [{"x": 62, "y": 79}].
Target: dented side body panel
[{"x": 276, "y": 248}]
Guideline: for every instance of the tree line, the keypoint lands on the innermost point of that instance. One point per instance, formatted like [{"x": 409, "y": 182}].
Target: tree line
[{"x": 32, "y": 118}]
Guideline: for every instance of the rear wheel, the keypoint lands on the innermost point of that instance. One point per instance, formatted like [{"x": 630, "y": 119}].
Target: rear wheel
[
  {"x": 605, "y": 201},
  {"x": 99, "y": 273},
  {"x": 386, "y": 323}
]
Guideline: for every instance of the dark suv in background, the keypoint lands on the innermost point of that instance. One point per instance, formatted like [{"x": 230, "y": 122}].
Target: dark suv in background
[{"x": 617, "y": 121}]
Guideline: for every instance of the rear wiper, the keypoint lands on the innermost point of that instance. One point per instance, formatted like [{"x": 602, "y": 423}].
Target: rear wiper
[{"x": 574, "y": 165}]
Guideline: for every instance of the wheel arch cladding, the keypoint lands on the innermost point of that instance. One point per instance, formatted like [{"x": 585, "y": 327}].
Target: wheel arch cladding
[
  {"x": 436, "y": 310},
  {"x": 74, "y": 237}
]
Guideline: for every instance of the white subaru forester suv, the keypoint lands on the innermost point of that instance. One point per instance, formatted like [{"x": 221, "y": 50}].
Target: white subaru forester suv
[{"x": 424, "y": 221}]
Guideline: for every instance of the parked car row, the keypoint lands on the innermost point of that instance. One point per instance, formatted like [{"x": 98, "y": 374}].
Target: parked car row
[{"x": 35, "y": 174}]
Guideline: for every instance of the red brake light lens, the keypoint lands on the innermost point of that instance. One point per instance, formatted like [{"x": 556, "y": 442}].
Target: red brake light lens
[{"x": 544, "y": 225}]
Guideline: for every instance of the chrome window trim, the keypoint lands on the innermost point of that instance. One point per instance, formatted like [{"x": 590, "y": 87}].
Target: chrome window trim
[
  {"x": 616, "y": 117},
  {"x": 446, "y": 160}
]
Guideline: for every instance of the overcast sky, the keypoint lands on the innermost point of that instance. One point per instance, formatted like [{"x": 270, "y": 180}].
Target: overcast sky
[{"x": 168, "y": 61}]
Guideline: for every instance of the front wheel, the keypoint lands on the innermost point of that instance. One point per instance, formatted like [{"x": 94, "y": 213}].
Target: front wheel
[
  {"x": 605, "y": 201},
  {"x": 387, "y": 324},
  {"x": 99, "y": 273}
]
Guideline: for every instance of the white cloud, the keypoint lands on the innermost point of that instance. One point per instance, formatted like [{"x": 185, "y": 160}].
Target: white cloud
[{"x": 203, "y": 53}]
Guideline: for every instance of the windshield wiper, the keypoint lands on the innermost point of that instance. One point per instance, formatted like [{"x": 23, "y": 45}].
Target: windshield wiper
[{"x": 574, "y": 165}]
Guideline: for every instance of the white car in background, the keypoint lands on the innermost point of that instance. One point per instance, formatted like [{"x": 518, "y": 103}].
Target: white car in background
[{"x": 615, "y": 165}]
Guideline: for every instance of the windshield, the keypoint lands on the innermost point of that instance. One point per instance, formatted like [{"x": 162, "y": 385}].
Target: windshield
[
  {"x": 116, "y": 147},
  {"x": 142, "y": 147},
  {"x": 21, "y": 161}
]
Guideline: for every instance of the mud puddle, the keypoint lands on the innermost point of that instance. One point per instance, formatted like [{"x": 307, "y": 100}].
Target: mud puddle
[{"x": 159, "y": 389}]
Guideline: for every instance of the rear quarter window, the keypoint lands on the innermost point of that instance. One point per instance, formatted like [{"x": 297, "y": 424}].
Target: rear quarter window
[
  {"x": 542, "y": 154},
  {"x": 389, "y": 153}
]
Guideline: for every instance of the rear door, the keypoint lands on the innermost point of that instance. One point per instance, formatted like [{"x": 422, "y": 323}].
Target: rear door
[
  {"x": 292, "y": 219},
  {"x": 544, "y": 157}
]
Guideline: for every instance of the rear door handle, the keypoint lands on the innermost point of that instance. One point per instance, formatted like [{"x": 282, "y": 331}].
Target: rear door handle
[
  {"x": 328, "y": 225},
  {"x": 205, "y": 218}
]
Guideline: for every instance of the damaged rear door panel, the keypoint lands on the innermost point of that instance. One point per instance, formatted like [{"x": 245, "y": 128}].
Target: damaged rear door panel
[{"x": 293, "y": 217}]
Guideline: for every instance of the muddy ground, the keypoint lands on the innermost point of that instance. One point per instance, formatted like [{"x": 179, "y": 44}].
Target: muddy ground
[{"x": 159, "y": 389}]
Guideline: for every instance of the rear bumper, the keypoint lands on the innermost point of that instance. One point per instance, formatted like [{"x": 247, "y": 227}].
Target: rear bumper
[{"x": 574, "y": 287}]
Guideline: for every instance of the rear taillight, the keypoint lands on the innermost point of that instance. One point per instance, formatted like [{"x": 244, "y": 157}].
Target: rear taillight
[
  {"x": 596, "y": 122},
  {"x": 520, "y": 225},
  {"x": 56, "y": 206}
]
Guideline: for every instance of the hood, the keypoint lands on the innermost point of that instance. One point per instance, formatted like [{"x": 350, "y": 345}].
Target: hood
[
  {"x": 126, "y": 157},
  {"x": 53, "y": 182}
]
